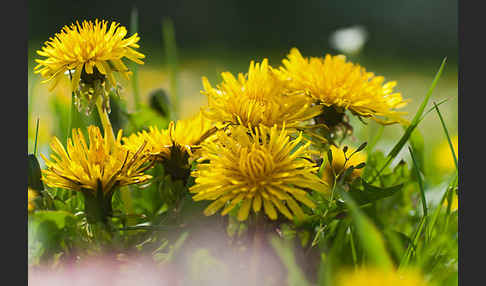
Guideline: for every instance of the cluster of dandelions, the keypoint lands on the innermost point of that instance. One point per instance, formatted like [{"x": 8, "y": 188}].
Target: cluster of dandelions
[{"x": 255, "y": 147}]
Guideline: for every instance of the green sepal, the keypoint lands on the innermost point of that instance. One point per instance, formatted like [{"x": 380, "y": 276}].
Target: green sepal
[{"x": 98, "y": 205}]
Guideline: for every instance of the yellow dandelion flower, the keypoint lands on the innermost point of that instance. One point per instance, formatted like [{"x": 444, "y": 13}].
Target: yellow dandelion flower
[
  {"x": 338, "y": 161},
  {"x": 90, "y": 53},
  {"x": 256, "y": 167},
  {"x": 94, "y": 167},
  {"x": 256, "y": 98},
  {"x": 31, "y": 195},
  {"x": 443, "y": 155},
  {"x": 333, "y": 82},
  {"x": 175, "y": 146},
  {"x": 380, "y": 277}
]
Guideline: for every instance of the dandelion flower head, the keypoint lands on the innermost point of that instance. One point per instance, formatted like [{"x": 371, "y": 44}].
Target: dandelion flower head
[
  {"x": 256, "y": 98},
  {"x": 91, "y": 167},
  {"x": 255, "y": 168},
  {"x": 90, "y": 53},
  {"x": 186, "y": 134},
  {"x": 177, "y": 146},
  {"x": 334, "y": 82}
]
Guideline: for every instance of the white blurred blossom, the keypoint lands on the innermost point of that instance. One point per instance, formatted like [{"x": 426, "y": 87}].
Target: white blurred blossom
[{"x": 349, "y": 40}]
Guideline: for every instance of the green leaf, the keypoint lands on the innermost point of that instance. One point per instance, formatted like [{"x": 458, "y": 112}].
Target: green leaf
[
  {"x": 372, "y": 193},
  {"x": 34, "y": 176},
  {"x": 51, "y": 232},
  {"x": 360, "y": 165},
  {"x": 59, "y": 218}
]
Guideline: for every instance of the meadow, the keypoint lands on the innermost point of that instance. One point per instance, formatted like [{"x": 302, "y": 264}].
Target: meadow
[{"x": 390, "y": 217}]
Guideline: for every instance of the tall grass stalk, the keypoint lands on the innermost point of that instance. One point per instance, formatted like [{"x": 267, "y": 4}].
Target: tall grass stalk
[
  {"x": 420, "y": 183},
  {"x": 169, "y": 42},
  {"x": 415, "y": 121},
  {"x": 133, "y": 65},
  {"x": 447, "y": 135},
  {"x": 36, "y": 134}
]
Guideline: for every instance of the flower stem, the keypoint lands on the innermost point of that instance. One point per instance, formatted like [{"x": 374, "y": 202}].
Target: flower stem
[{"x": 105, "y": 121}]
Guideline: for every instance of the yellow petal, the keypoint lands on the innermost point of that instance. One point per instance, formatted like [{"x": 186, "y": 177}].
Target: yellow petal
[
  {"x": 269, "y": 209},
  {"x": 257, "y": 203},
  {"x": 244, "y": 210},
  {"x": 216, "y": 205},
  {"x": 233, "y": 203}
]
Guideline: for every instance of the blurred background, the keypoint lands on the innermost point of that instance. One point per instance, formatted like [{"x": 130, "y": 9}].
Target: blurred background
[
  {"x": 415, "y": 29},
  {"x": 404, "y": 41}
]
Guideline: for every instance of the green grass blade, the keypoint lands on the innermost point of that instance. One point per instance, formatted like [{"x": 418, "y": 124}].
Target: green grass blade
[
  {"x": 433, "y": 108},
  {"x": 134, "y": 66},
  {"x": 417, "y": 144},
  {"x": 420, "y": 183},
  {"x": 449, "y": 197},
  {"x": 371, "y": 239},
  {"x": 36, "y": 133},
  {"x": 415, "y": 121},
  {"x": 168, "y": 36},
  {"x": 447, "y": 134},
  {"x": 437, "y": 210},
  {"x": 408, "y": 254}
]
